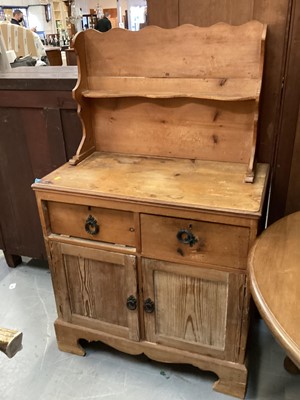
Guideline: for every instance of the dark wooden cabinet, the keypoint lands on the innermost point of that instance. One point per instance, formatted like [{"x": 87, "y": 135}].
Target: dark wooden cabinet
[{"x": 39, "y": 131}]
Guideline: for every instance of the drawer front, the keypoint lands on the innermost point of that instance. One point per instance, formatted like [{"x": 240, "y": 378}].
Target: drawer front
[
  {"x": 176, "y": 239},
  {"x": 93, "y": 223}
]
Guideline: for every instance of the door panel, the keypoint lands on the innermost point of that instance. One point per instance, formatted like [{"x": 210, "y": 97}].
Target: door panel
[
  {"x": 97, "y": 284},
  {"x": 196, "y": 309}
]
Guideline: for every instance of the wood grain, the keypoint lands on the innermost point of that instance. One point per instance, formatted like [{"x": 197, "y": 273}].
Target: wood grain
[
  {"x": 194, "y": 63},
  {"x": 98, "y": 284},
  {"x": 207, "y": 130},
  {"x": 217, "y": 244},
  {"x": 229, "y": 89},
  {"x": 114, "y": 226},
  {"x": 216, "y": 185},
  {"x": 279, "y": 103},
  {"x": 10, "y": 341},
  {"x": 232, "y": 376},
  {"x": 213, "y": 58},
  {"x": 275, "y": 279},
  {"x": 192, "y": 308},
  {"x": 164, "y": 145}
]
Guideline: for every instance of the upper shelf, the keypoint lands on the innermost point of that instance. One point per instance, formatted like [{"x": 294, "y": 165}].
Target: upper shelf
[
  {"x": 213, "y": 89},
  {"x": 220, "y": 65},
  {"x": 222, "y": 62}
]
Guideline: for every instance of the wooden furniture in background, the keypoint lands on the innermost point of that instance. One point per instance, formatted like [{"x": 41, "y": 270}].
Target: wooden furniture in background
[
  {"x": 148, "y": 227},
  {"x": 10, "y": 341},
  {"x": 39, "y": 131},
  {"x": 89, "y": 20},
  {"x": 71, "y": 58},
  {"x": 274, "y": 267},
  {"x": 54, "y": 55},
  {"x": 60, "y": 14}
]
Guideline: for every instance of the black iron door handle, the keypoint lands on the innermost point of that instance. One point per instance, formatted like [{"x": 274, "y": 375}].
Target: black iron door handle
[
  {"x": 131, "y": 303},
  {"x": 149, "y": 306}
]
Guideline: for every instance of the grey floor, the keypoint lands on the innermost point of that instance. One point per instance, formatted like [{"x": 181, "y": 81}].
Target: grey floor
[{"x": 41, "y": 372}]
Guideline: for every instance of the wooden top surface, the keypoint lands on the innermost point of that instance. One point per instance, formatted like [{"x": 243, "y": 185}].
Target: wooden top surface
[
  {"x": 186, "y": 183},
  {"x": 274, "y": 264},
  {"x": 39, "y": 78}
]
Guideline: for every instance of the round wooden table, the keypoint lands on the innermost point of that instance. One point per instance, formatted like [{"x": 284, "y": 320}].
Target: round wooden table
[{"x": 274, "y": 266}]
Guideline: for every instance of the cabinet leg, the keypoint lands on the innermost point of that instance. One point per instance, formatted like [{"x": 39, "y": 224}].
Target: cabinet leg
[
  {"x": 67, "y": 340},
  {"x": 233, "y": 383},
  {"x": 232, "y": 376},
  {"x": 12, "y": 260},
  {"x": 290, "y": 366}
]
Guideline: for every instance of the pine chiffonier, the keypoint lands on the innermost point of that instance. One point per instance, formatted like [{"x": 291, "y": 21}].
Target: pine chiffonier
[{"x": 149, "y": 225}]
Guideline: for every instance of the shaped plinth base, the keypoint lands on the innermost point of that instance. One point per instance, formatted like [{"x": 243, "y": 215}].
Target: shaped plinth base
[{"x": 232, "y": 376}]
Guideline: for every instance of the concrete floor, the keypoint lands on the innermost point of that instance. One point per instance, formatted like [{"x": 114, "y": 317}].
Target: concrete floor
[{"x": 41, "y": 372}]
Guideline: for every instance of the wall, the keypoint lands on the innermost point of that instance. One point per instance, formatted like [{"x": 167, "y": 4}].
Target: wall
[
  {"x": 134, "y": 20},
  {"x": 86, "y": 5},
  {"x": 37, "y": 18},
  {"x": 36, "y": 14},
  {"x": 136, "y": 14},
  {"x": 18, "y": 3}
]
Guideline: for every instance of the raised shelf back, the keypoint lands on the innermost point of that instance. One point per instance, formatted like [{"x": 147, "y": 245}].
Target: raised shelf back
[{"x": 187, "y": 92}]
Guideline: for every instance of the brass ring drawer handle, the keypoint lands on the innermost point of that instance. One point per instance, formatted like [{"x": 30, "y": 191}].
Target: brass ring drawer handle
[
  {"x": 91, "y": 225},
  {"x": 186, "y": 237}
]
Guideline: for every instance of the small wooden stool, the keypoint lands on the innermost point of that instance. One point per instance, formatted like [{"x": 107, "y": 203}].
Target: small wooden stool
[{"x": 10, "y": 341}]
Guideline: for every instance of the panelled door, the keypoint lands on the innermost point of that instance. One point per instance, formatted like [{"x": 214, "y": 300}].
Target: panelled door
[
  {"x": 192, "y": 308},
  {"x": 96, "y": 288}
]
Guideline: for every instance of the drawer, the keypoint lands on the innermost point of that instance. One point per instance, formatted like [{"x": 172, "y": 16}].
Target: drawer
[
  {"x": 112, "y": 226},
  {"x": 176, "y": 239}
]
